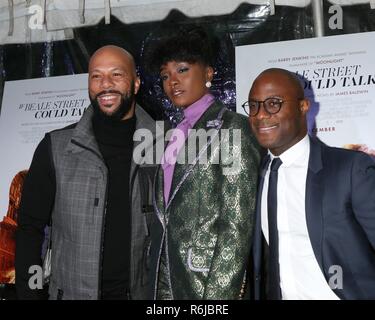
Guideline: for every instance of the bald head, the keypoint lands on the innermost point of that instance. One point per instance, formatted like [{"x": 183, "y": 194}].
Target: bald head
[
  {"x": 121, "y": 53},
  {"x": 113, "y": 82},
  {"x": 282, "y": 75}
]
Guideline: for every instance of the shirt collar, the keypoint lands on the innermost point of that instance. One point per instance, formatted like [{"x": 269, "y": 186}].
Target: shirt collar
[
  {"x": 195, "y": 111},
  {"x": 290, "y": 156}
]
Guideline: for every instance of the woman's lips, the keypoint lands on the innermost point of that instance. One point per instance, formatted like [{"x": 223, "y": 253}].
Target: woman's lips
[{"x": 177, "y": 93}]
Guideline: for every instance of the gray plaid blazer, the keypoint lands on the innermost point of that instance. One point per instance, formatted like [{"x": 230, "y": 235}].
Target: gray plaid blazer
[{"x": 79, "y": 210}]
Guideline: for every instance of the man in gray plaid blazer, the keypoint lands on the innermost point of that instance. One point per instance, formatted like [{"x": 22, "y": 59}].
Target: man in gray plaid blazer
[{"x": 85, "y": 179}]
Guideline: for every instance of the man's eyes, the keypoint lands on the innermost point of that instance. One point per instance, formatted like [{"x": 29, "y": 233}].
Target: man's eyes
[{"x": 115, "y": 75}]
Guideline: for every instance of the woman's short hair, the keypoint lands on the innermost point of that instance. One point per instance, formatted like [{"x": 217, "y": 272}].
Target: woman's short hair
[{"x": 188, "y": 44}]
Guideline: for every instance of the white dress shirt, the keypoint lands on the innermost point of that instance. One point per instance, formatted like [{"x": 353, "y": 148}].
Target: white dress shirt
[{"x": 300, "y": 275}]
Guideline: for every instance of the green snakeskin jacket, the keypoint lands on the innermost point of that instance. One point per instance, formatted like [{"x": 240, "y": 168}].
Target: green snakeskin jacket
[{"x": 201, "y": 240}]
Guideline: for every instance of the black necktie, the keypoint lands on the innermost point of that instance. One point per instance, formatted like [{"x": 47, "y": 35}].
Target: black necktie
[{"x": 274, "y": 292}]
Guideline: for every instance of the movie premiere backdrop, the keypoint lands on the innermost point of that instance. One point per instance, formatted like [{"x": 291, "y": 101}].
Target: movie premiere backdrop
[
  {"x": 338, "y": 75},
  {"x": 337, "y": 72},
  {"x": 30, "y": 108}
]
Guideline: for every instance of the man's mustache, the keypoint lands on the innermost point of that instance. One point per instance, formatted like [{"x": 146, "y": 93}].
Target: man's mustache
[{"x": 106, "y": 92}]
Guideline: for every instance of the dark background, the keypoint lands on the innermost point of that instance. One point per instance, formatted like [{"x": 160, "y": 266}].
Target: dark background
[{"x": 248, "y": 24}]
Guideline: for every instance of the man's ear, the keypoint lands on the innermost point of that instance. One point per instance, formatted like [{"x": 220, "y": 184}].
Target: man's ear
[
  {"x": 137, "y": 84},
  {"x": 304, "y": 105}
]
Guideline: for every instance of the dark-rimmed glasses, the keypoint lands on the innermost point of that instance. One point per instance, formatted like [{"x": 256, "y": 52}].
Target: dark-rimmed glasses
[{"x": 271, "y": 105}]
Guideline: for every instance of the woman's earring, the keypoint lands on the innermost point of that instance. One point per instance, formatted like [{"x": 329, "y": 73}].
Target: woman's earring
[{"x": 208, "y": 84}]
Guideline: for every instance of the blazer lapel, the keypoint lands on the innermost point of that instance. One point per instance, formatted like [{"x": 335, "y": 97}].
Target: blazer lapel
[
  {"x": 211, "y": 119},
  {"x": 147, "y": 154},
  {"x": 313, "y": 200},
  {"x": 158, "y": 196},
  {"x": 84, "y": 138}
]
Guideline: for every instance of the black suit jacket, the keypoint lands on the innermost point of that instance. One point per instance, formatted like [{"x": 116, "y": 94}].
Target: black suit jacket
[{"x": 340, "y": 216}]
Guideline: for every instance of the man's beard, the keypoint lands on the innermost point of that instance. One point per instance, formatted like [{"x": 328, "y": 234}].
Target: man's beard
[{"x": 126, "y": 103}]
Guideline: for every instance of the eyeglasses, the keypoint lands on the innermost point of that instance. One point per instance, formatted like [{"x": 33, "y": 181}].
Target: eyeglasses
[{"x": 271, "y": 105}]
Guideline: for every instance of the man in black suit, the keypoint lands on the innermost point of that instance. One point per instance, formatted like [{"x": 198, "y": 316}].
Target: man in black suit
[{"x": 314, "y": 232}]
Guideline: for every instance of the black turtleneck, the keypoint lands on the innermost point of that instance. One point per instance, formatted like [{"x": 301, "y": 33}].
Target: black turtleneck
[{"x": 115, "y": 140}]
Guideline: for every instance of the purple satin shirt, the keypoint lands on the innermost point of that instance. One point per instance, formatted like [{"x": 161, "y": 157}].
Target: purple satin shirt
[{"x": 180, "y": 133}]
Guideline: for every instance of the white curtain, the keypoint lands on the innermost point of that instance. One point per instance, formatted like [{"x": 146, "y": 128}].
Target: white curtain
[{"x": 49, "y": 20}]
